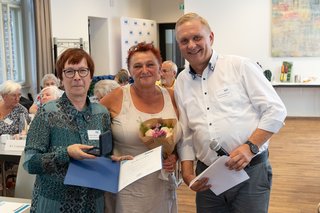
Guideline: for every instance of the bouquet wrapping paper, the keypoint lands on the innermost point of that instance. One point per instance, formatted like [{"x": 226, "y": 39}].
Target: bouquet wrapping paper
[
  {"x": 166, "y": 133},
  {"x": 167, "y": 137}
]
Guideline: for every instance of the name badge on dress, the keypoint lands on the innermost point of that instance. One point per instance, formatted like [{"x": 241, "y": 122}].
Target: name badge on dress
[
  {"x": 8, "y": 121},
  {"x": 93, "y": 134}
]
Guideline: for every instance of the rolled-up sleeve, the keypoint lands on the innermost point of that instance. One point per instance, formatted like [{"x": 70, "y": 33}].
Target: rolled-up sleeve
[{"x": 264, "y": 98}]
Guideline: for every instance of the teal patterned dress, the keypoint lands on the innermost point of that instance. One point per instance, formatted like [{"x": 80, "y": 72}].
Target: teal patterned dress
[{"x": 57, "y": 125}]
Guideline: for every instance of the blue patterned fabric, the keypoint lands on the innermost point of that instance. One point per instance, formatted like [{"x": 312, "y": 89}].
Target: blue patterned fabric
[
  {"x": 57, "y": 125},
  {"x": 13, "y": 121}
]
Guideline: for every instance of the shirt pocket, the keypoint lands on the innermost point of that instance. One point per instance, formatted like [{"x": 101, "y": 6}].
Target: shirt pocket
[{"x": 230, "y": 98}]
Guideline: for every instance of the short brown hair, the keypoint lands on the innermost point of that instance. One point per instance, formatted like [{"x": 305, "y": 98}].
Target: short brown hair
[
  {"x": 73, "y": 56},
  {"x": 192, "y": 16},
  {"x": 143, "y": 47}
]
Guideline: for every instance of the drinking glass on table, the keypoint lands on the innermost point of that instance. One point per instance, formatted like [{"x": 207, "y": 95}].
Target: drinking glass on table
[{"x": 23, "y": 127}]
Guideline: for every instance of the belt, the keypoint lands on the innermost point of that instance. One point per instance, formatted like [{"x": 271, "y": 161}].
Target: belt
[{"x": 262, "y": 157}]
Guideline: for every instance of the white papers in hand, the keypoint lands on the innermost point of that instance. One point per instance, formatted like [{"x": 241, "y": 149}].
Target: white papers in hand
[
  {"x": 140, "y": 166},
  {"x": 221, "y": 178},
  {"x": 105, "y": 174},
  {"x": 14, "y": 207}
]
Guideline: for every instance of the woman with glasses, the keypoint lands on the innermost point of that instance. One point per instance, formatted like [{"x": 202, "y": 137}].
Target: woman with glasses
[
  {"x": 129, "y": 106},
  {"x": 12, "y": 114},
  {"x": 62, "y": 130}
]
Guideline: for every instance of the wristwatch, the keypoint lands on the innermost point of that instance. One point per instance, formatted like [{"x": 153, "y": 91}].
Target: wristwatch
[{"x": 253, "y": 148}]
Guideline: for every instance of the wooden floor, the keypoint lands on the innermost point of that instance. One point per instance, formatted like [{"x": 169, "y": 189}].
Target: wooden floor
[{"x": 295, "y": 159}]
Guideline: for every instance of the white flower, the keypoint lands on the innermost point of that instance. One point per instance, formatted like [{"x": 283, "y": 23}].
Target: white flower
[
  {"x": 149, "y": 133},
  {"x": 168, "y": 131}
]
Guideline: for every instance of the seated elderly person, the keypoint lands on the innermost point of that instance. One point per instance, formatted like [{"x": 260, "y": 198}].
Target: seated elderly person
[
  {"x": 168, "y": 74},
  {"x": 122, "y": 77},
  {"x": 12, "y": 114},
  {"x": 47, "y": 80},
  {"x": 48, "y": 94},
  {"x": 103, "y": 87}
]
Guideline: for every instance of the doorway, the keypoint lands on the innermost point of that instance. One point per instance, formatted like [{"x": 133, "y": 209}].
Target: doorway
[
  {"x": 168, "y": 45},
  {"x": 98, "y": 44}
]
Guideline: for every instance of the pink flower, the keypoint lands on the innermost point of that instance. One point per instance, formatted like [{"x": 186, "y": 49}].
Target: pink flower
[{"x": 159, "y": 132}]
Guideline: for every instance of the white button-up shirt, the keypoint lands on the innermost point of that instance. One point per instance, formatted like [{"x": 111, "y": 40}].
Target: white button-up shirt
[{"x": 227, "y": 103}]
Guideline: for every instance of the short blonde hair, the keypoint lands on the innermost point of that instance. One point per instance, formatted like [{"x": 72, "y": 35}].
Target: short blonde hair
[
  {"x": 9, "y": 87},
  {"x": 103, "y": 87},
  {"x": 192, "y": 16}
]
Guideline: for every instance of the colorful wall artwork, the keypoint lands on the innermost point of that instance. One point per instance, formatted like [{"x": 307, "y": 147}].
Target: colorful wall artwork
[{"x": 295, "y": 28}]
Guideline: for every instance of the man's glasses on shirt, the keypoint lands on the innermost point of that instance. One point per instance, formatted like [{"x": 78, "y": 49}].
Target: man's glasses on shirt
[{"x": 82, "y": 72}]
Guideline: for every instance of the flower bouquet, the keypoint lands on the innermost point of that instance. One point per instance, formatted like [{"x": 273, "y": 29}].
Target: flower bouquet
[
  {"x": 162, "y": 132},
  {"x": 159, "y": 132}
]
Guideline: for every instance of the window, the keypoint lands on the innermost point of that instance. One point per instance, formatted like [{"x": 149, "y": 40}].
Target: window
[{"x": 12, "y": 52}]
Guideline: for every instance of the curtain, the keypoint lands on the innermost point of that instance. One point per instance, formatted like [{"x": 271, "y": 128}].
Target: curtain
[{"x": 43, "y": 39}]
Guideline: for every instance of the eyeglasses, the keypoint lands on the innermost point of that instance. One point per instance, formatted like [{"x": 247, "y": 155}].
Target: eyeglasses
[
  {"x": 82, "y": 72},
  {"x": 13, "y": 95},
  {"x": 164, "y": 71}
]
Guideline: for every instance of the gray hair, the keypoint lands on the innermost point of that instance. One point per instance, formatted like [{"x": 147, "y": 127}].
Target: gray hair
[
  {"x": 54, "y": 90},
  {"x": 173, "y": 65},
  {"x": 103, "y": 87},
  {"x": 49, "y": 76},
  {"x": 9, "y": 87}
]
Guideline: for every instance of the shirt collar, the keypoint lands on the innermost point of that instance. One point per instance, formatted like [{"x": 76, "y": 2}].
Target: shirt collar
[
  {"x": 211, "y": 65},
  {"x": 72, "y": 111}
]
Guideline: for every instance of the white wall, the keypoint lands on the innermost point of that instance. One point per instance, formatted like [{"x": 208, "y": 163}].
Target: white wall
[
  {"x": 70, "y": 20},
  {"x": 244, "y": 28},
  {"x": 240, "y": 27},
  {"x": 99, "y": 46},
  {"x": 165, "y": 11},
  {"x": 128, "y": 8}
]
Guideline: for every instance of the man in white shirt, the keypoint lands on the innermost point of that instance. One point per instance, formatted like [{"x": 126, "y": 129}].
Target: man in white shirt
[{"x": 226, "y": 99}]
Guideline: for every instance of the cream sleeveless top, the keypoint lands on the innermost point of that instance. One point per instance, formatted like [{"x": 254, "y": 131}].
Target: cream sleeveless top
[{"x": 148, "y": 194}]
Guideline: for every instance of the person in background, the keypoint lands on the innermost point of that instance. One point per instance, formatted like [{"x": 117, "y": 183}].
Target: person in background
[
  {"x": 62, "y": 130},
  {"x": 47, "y": 80},
  {"x": 103, "y": 87},
  {"x": 168, "y": 74},
  {"x": 129, "y": 106},
  {"x": 226, "y": 99},
  {"x": 13, "y": 116},
  {"x": 122, "y": 77},
  {"x": 48, "y": 94}
]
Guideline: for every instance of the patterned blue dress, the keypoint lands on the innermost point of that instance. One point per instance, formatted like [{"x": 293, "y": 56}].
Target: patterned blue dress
[
  {"x": 11, "y": 124},
  {"x": 57, "y": 125}
]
